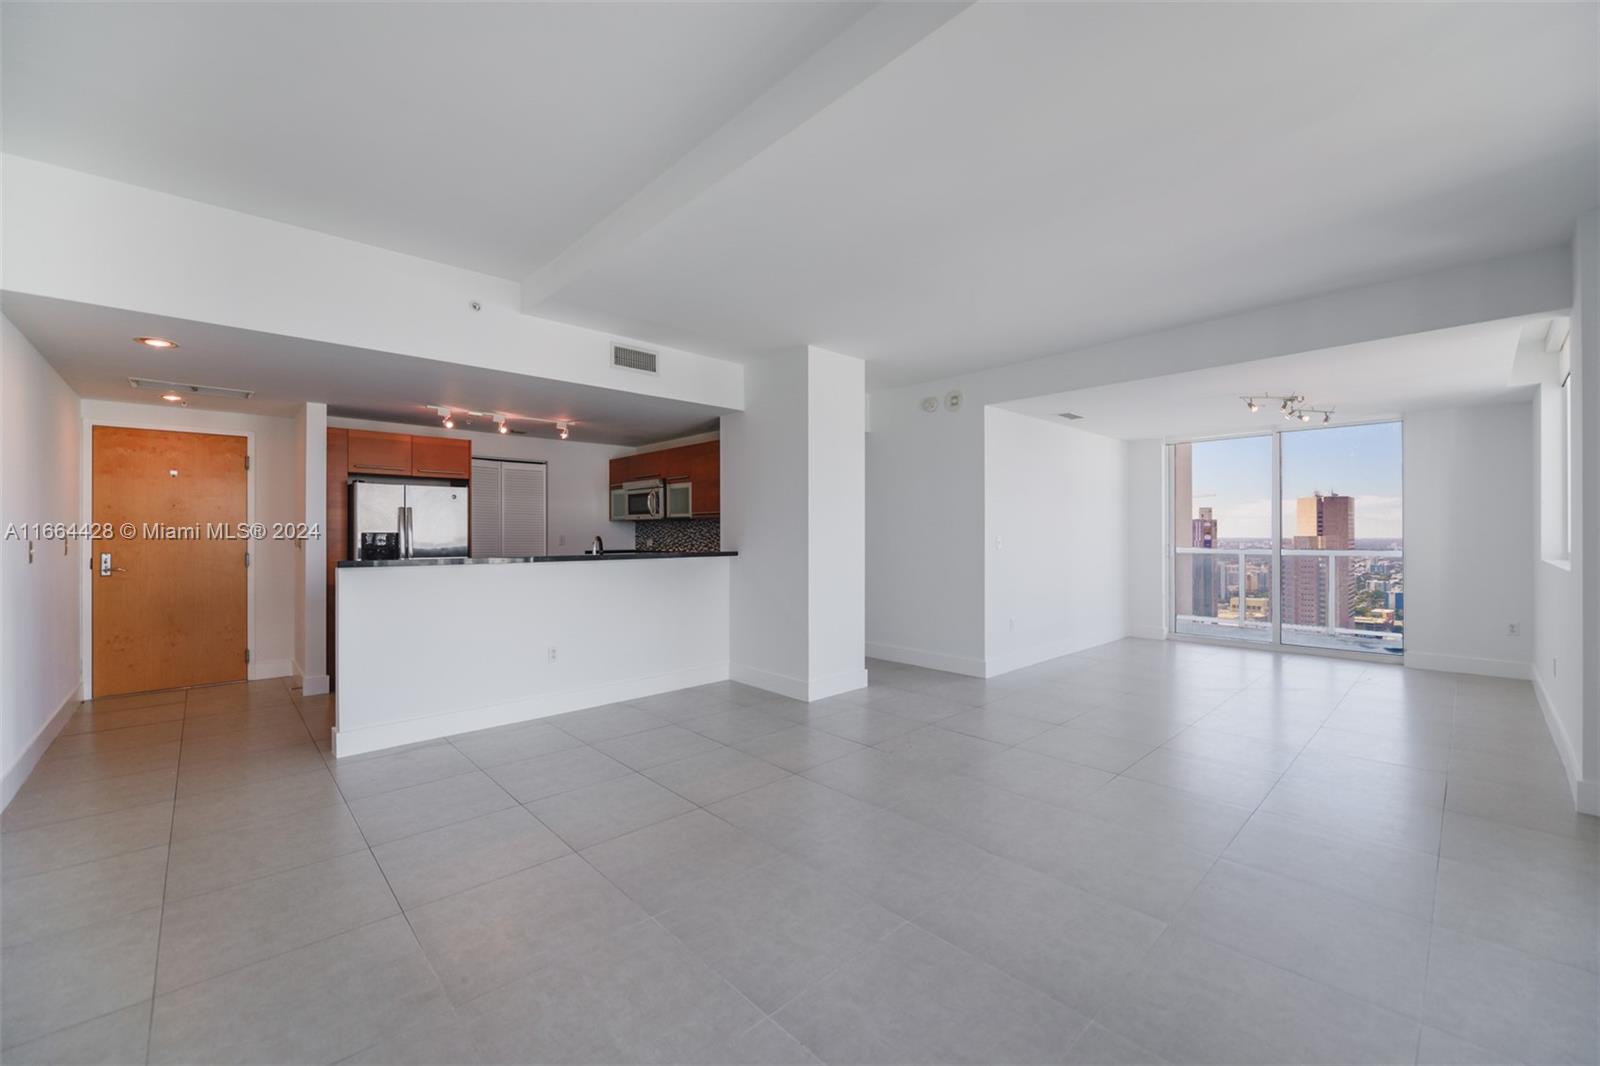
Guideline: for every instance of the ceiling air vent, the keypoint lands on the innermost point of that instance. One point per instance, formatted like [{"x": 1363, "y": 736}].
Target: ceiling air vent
[
  {"x": 1068, "y": 415},
  {"x": 191, "y": 390},
  {"x": 633, "y": 359}
]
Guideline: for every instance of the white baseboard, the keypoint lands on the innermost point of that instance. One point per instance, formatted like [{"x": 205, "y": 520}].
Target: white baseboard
[
  {"x": 309, "y": 684},
  {"x": 1148, "y": 632},
  {"x": 820, "y": 688},
  {"x": 796, "y": 688},
  {"x": 932, "y": 660},
  {"x": 347, "y": 742},
  {"x": 1038, "y": 653},
  {"x": 1465, "y": 664},
  {"x": 17, "y": 773},
  {"x": 1585, "y": 794},
  {"x": 270, "y": 668}
]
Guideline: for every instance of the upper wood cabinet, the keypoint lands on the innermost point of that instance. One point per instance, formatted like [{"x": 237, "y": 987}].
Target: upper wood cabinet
[
  {"x": 441, "y": 457},
  {"x": 380, "y": 453},
  {"x": 700, "y": 464}
]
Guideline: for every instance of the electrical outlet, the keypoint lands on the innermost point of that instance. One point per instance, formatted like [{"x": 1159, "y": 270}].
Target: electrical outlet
[
  {"x": 552, "y": 654},
  {"x": 1514, "y": 629},
  {"x": 561, "y": 541}
]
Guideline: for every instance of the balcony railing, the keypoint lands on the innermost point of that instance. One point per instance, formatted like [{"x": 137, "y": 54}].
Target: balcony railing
[{"x": 1308, "y": 602}]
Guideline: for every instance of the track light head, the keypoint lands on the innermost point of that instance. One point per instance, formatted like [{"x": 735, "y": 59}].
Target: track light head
[
  {"x": 1251, "y": 405},
  {"x": 562, "y": 430}
]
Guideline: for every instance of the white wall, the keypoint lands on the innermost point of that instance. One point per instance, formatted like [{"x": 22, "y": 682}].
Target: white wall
[
  {"x": 621, "y": 629},
  {"x": 925, "y": 531},
  {"x": 1055, "y": 514},
  {"x": 1471, "y": 538},
  {"x": 925, "y": 472},
  {"x": 836, "y": 514},
  {"x": 1147, "y": 542},
  {"x": 578, "y": 489},
  {"x": 793, "y": 508},
  {"x": 273, "y": 478},
  {"x": 1566, "y": 668},
  {"x": 764, "y": 466},
  {"x": 39, "y": 631}
]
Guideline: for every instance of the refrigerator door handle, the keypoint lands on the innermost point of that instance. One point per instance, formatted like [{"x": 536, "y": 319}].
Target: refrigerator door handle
[{"x": 405, "y": 532}]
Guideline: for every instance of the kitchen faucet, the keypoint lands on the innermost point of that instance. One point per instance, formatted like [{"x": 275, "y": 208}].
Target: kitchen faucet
[{"x": 598, "y": 547}]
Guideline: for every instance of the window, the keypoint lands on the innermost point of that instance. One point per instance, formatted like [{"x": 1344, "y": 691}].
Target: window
[{"x": 1291, "y": 538}]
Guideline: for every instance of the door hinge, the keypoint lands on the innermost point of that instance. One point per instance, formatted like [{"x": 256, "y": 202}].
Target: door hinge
[
  {"x": 247, "y": 462},
  {"x": 247, "y": 655},
  {"x": 247, "y": 560}
]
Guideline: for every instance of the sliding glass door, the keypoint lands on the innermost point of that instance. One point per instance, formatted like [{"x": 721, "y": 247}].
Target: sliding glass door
[
  {"x": 1343, "y": 573},
  {"x": 1291, "y": 539},
  {"x": 1222, "y": 538}
]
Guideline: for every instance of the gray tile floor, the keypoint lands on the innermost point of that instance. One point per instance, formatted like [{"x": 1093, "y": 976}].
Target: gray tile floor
[{"x": 1146, "y": 852}]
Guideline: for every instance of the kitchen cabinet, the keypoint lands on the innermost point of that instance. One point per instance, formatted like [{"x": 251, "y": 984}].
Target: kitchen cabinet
[
  {"x": 379, "y": 453},
  {"x": 700, "y": 464},
  {"x": 441, "y": 457}
]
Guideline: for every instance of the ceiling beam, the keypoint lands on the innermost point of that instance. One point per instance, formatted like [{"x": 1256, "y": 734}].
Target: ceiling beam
[{"x": 885, "y": 31}]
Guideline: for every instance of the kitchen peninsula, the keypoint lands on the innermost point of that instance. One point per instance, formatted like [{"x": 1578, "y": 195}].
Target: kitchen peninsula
[{"x": 429, "y": 648}]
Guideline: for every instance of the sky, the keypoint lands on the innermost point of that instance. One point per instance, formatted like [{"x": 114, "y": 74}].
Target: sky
[{"x": 1234, "y": 477}]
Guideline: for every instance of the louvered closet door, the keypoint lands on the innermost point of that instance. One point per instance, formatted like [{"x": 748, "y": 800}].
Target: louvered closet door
[
  {"x": 522, "y": 508},
  {"x": 485, "y": 506}
]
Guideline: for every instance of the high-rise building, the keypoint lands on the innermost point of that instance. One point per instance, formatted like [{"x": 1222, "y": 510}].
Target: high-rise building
[
  {"x": 1327, "y": 522},
  {"x": 1208, "y": 579}
]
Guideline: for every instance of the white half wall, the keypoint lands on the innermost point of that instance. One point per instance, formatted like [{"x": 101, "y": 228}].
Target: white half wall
[
  {"x": 273, "y": 477},
  {"x": 40, "y": 676},
  {"x": 1056, "y": 540},
  {"x": 793, "y": 506},
  {"x": 1471, "y": 537},
  {"x": 430, "y": 651}
]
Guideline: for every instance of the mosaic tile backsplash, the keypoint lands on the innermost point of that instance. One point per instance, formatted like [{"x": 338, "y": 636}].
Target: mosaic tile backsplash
[{"x": 678, "y": 535}]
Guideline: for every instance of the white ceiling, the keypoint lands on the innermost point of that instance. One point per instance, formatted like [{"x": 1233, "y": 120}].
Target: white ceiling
[
  {"x": 1021, "y": 180},
  {"x": 93, "y": 350},
  {"x": 1361, "y": 382},
  {"x": 483, "y": 135}
]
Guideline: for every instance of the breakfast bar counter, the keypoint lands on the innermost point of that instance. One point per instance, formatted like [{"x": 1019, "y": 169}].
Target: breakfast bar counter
[{"x": 429, "y": 648}]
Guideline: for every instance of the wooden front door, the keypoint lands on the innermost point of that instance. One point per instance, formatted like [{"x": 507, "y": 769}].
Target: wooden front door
[{"x": 173, "y": 610}]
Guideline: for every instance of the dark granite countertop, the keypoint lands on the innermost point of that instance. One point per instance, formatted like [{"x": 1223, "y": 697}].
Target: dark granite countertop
[{"x": 457, "y": 560}]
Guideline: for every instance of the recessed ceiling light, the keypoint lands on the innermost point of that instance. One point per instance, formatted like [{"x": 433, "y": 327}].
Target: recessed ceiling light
[{"x": 156, "y": 342}]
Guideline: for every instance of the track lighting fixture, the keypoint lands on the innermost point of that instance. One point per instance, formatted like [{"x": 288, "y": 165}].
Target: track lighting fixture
[
  {"x": 500, "y": 424},
  {"x": 561, "y": 430},
  {"x": 1293, "y": 408}
]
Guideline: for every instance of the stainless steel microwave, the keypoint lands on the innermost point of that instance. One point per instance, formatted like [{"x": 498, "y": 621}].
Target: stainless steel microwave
[
  {"x": 642, "y": 501},
  {"x": 638, "y": 501}
]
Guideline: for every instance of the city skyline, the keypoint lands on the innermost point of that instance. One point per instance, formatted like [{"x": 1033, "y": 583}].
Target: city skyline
[{"x": 1233, "y": 476}]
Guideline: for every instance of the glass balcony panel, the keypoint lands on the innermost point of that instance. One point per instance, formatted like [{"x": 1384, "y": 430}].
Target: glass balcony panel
[{"x": 1225, "y": 595}]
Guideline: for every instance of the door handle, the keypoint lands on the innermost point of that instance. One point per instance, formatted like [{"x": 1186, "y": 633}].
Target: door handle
[{"x": 106, "y": 569}]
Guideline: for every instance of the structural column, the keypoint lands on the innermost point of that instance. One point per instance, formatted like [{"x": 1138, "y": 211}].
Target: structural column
[{"x": 794, "y": 507}]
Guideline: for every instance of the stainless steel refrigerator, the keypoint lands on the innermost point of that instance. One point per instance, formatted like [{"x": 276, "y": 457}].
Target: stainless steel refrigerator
[{"x": 407, "y": 520}]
